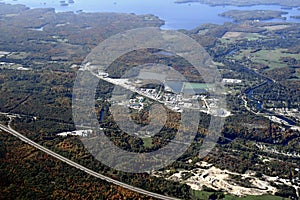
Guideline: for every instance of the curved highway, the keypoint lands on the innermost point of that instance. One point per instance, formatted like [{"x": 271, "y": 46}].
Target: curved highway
[{"x": 78, "y": 166}]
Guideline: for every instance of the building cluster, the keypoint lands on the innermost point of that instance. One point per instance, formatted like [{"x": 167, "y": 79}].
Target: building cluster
[
  {"x": 176, "y": 102},
  {"x": 229, "y": 80},
  {"x": 82, "y": 133}
]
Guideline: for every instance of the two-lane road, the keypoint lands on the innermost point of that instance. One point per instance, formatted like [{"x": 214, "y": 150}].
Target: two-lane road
[{"x": 78, "y": 166}]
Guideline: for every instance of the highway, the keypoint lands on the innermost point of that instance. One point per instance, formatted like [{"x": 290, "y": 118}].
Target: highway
[{"x": 80, "y": 167}]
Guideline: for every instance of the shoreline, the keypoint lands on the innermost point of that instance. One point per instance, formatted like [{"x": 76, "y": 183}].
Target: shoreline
[
  {"x": 237, "y": 4},
  {"x": 171, "y": 20}
]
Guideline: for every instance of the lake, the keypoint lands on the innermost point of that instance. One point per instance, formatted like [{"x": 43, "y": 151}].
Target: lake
[{"x": 176, "y": 16}]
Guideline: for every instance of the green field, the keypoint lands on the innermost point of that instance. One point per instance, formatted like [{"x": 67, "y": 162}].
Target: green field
[
  {"x": 188, "y": 86},
  {"x": 147, "y": 142},
  {"x": 227, "y": 39},
  {"x": 270, "y": 58}
]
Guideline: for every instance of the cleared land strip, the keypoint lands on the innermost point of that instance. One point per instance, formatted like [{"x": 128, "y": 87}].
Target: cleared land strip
[{"x": 78, "y": 166}]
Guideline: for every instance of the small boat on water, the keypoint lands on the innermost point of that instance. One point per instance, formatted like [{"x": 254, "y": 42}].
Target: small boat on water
[{"x": 63, "y": 3}]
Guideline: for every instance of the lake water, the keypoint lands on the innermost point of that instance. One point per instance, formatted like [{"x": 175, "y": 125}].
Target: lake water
[{"x": 176, "y": 16}]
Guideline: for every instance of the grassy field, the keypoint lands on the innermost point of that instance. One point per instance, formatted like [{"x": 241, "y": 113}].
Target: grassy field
[
  {"x": 18, "y": 55},
  {"x": 195, "y": 86},
  {"x": 147, "y": 142},
  {"x": 233, "y": 36},
  {"x": 270, "y": 58},
  {"x": 275, "y": 27}
]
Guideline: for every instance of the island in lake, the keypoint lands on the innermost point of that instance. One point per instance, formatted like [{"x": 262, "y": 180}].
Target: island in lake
[
  {"x": 296, "y": 17},
  {"x": 289, "y": 3},
  {"x": 242, "y": 15},
  {"x": 257, "y": 155}
]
